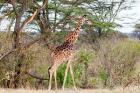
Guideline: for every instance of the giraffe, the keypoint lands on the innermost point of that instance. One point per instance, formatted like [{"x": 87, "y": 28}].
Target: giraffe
[{"x": 65, "y": 53}]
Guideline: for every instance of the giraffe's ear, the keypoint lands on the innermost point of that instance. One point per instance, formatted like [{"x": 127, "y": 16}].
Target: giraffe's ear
[{"x": 89, "y": 22}]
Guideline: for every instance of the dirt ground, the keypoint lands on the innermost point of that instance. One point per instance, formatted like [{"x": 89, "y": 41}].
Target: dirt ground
[{"x": 134, "y": 89}]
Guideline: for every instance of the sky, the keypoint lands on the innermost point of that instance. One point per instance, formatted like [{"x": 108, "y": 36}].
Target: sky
[{"x": 129, "y": 18}]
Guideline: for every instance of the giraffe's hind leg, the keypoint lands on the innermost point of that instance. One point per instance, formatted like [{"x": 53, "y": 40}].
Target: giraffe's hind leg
[
  {"x": 52, "y": 71},
  {"x": 50, "y": 77},
  {"x": 55, "y": 78}
]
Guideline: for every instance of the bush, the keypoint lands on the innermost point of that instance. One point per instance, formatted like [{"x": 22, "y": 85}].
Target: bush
[{"x": 115, "y": 62}]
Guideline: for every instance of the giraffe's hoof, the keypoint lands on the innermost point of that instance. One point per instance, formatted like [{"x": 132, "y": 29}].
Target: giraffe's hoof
[
  {"x": 56, "y": 88},
  {"x": 49, "y": 89},
  {"x": 62, "y": 88},
  {"x": 75, "y": 88}
]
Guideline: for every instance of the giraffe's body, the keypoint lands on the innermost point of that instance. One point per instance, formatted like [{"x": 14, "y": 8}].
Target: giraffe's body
[
  {"x": 65, "y": 53},
  {"x": 62, "y": 53}
]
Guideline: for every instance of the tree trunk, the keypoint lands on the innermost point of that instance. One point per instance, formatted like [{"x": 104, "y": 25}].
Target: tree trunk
[
  {"x": 17, "y": 76},
  {"x": 18, "y": 56}
]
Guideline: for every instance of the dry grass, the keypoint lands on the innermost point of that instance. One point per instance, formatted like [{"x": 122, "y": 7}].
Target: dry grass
[{"x": 134, "y": 89}]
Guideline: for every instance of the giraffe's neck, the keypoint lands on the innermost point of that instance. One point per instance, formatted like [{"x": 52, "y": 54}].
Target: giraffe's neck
[
  {"x": 73, "y": 35},
  {"x": 78, "y": 26}
]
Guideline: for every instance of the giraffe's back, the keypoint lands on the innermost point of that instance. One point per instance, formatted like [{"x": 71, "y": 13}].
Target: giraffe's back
[{"x": 62, "y": 52}]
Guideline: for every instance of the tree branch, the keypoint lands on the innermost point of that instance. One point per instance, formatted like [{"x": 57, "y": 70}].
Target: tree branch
[
  {"x": 37, "y": 76},
  {"x": 29, "y": 20},
  {"x": 24, "y": 47},
  {"x": 7, "y": 53}
]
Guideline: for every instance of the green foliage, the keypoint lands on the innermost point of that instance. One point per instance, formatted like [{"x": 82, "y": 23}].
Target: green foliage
[
  {"x": 60, "y": 73},
  {"x": 85, "y": 56},
  {"x": 2, "y": 1},
  {"x": 83, "y": 60},
  {"x": 77, "y": 75},
  {"x": 102, "y": 74},
  {"x": 60, "y": 76},
  {"x": 137, "y": 26},
  {"x": 59, "y": 36}
]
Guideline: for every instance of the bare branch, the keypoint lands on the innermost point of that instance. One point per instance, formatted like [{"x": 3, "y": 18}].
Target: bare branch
[
  {"x": 37, "y": 76},
  {"x": 23, "y": 48},
  {"x": 29, "y": 20},
  {"x": 7, "y": 53},
  {"x": 32, "y": 42},
  {"x": 44, "y": 4}
]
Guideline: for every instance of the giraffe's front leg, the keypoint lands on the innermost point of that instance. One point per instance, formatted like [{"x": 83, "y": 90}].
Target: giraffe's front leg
[
  {"x": 55, "y": 78},
  {"x": 66, "y": 72}
]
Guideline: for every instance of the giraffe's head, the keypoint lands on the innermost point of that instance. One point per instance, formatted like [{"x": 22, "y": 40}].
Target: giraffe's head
[{"x": 83, "y": 19}]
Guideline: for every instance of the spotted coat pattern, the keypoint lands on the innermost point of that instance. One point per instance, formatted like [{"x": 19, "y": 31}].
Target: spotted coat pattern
[{"x": 64, "y": 52}]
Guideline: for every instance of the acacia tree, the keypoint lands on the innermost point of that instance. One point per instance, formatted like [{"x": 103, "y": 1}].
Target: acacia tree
[{"x": 19, "y": 9}]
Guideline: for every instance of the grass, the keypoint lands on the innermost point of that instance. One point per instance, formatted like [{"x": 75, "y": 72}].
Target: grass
[{"x": 134, "y": 89}]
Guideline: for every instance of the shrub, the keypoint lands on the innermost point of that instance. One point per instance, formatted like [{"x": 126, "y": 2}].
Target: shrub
[{"x": 115, "y": 61}]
